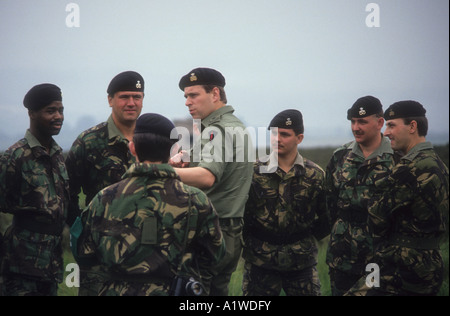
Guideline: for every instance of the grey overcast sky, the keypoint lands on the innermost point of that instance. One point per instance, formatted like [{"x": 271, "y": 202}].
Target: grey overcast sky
[{"x": 317, "y": 56}]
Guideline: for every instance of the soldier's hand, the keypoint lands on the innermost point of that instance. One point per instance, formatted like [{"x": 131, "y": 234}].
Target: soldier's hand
[{"x": 180, "y": 160}]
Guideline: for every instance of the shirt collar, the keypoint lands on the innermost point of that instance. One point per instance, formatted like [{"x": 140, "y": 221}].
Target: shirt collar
[
  {"x": 416, "y": 150},
  {"x": 33, "y": 142},
  {"x": 384, "y": 148},
  {"x": 273, "y": 162},
  {"x": 150, "y": 171},
  {"x": 113, "y": 131},
  {"x": 216, "y": 115}
]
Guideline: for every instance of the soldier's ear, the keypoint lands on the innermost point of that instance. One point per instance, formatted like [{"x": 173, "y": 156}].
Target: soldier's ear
[
  {"x": 32, "y": 114},
  {"x": 132, "y": 148}
]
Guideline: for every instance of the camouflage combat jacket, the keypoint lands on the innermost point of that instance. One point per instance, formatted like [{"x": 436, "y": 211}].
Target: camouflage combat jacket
[
  {"x": 34, "y": 187},
  {"x": 98, "y": 158},
  {"x": 349, "y": 184},
  {"x": 284, "y": 212},
  {"x": 136, "y": 229},
  {"x": 408, "y": 219}
]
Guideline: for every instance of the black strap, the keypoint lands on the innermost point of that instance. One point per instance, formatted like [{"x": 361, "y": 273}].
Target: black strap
[
  {"x": 277, "y": 238},
  {"x": 425, "y": 243},
  {"x": 37, "y": 224}
]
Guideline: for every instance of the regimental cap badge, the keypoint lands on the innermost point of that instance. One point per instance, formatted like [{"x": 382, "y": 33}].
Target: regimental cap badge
[
  {"x": 391, "y": 113},
  {"x": 193, "y": 77},
  {"x": 289, "y": 122},
  {"x": 138, "y": 85},
  {"x": 362, "y": 111}
]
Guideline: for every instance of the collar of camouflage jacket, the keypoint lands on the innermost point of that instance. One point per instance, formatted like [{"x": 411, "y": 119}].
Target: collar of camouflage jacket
[
  {"x": 113, "y": 131},
  {"x": 385, "y": 148},
  {"x": 416, "y": 150},
  {"x": 33, "y": 142},
  {"x": 150, "y": 171}
]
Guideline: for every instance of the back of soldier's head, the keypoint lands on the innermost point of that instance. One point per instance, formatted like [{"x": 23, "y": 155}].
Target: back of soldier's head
[{"x": 152, "y": 138}]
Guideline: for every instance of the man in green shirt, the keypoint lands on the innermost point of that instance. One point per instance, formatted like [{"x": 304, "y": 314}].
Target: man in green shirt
[
  {"x": 100, "y": 156},
  {"x": 34, "y": 187},
  {"x": 223, "y": 170}
]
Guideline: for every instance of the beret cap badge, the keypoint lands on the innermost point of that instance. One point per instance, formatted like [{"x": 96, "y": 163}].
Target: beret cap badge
[
  {"x": 288, "y": 122},
  {"x": 138, "y": 85},
  {"x": 364, "y": 107},
  {"x": 202, "y": 77}
]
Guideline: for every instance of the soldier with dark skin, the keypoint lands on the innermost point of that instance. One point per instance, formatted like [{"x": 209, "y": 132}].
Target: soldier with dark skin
[
  {"x": 408, "y": 215},
  {"x": 150, "y": 227},
  {"x": 284, "y": 217},
  {"x": 349, "y": 181},
  {"x": 34, "y": 187},
  {"x": 100, "y": 156}
]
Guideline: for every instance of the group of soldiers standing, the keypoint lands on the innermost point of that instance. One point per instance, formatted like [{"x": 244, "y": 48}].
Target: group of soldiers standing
[{"x": 157, "y": 223}]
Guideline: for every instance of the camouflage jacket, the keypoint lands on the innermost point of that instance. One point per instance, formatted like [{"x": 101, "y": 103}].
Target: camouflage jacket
[
  {"x": 284, "y": 212},
  {"x": 408, "y": 217},
  {"x": 349, "y": 184},
  {"x": 98, "y": 158},
  {"x": 136, "y": 229},
  {"x": 34, "y": 187}
]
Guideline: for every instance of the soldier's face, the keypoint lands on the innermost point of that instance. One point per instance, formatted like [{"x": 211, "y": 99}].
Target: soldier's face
[
  {"x": 366, "y": 129},
  {"x": 398, "y": 132},
  {"x": 126, "y": 105},
  {"x": 49, "y": 120},
  {"x": 284, "y": 141},
  {"x": 200, "y": 103}
]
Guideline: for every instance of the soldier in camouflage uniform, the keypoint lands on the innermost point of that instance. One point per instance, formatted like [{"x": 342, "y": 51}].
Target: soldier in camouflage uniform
[
  {"x": 408, "y": 216},
  {"x": 100, "y": 156},
  {"x": 350, "y": 177},
  {"x": 34, "y": 188},
  {"x": 143, "y": 227},
  {"x": 284, "y": 216}
]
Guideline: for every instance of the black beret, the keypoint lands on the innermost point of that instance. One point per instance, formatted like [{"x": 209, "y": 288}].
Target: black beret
[
  {"x": 202, "y": 76},
  {"x": 126, "y": 81},
  {"x": 364, "y": 107},
  {"x": 404, "y": 109},
  {"x": 42, "y": 95},
  {"x": 154, "y": 124},
  {"x": 289, "y": 119}
]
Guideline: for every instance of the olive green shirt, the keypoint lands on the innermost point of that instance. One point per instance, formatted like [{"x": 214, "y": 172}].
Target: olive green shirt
[{"x": 229, "y": 162}]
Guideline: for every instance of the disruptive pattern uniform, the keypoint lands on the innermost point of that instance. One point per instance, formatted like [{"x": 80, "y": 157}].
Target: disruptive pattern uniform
[
  {"x": 285, "y": 214},
  {"x": 34, "y": 187},
  {"x": 350, "y": 182},
  {"x": 408, "y": 220},
  {"x": 137, "y": 229}
]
